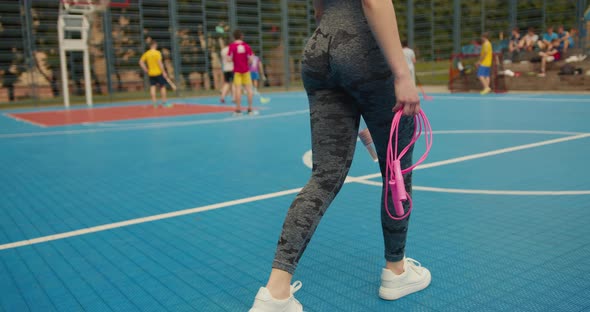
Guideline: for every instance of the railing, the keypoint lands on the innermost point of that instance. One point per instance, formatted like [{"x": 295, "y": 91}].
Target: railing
[{"x": 191, "y": 34}]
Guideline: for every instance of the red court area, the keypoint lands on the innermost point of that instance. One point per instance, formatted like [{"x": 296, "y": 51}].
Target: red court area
[{"x": 105, "y": 114}]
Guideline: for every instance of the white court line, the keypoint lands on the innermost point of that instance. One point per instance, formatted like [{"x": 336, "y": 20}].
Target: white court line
[
  {"x": 146, "y": 219},
  {"x": 360, "y": 179},
  {"x": 25, "y": 120},
  {"x": 501, "y": 192},
  {"x": 512, "y": 98},
  {"x": 121, "y": 123},
  {"x": 506, "y": 132},
  {"x": 487, "y": 154},
  {"x": 307, "y": 156},
  {"x": 482, "y": 192},
  {"x": 150, "y": 126},
  {"x": 102, "y": 124}
]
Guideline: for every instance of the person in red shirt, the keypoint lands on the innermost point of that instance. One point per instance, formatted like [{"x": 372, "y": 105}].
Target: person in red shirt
[{"x": 240, "y": 52}]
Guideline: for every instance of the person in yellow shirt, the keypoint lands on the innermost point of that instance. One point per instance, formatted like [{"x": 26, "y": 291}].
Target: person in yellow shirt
[
  {"x": 151, "y": 63},
  {"x": 485, "y": 64}
]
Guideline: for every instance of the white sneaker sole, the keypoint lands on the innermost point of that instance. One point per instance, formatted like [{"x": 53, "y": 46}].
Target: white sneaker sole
[
  {"x": 259, "y": 310},
  {"x": 396, "y": 293}
]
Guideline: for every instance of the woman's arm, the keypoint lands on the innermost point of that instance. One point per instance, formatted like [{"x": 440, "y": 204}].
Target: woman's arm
[{"x": 381, "y": 17}]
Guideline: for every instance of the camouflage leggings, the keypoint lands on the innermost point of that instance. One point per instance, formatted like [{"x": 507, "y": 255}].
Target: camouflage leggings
[{"x": 342, "y": 86}]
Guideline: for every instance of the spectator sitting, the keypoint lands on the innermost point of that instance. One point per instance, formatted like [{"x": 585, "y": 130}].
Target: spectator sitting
[
  {"x": 514, "y": 40},
  {"x": 528, "y": 41},
  {"x": 547, "y": 39},
  {"x": 513, "y": 44},
  {"x": 566, "y": 38},
  {"x": 551, "y": 54}
]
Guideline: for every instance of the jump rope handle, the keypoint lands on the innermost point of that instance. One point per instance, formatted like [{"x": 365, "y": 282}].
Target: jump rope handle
[
  {"x": 398, "y": 188},
  {"x": 394, "y": 173}
]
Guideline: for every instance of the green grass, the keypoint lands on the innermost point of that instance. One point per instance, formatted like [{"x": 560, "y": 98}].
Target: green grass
[{"x": 433, "y": 72}]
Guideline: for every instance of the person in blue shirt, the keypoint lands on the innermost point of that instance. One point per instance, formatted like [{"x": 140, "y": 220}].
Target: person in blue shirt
[
  {"x": 549, "y": 35},
  {"x": 566, "y": 39},
  {"x": 547, "y": 38}
]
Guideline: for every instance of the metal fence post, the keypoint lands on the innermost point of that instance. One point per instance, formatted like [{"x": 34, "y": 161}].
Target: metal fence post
[
  {"x": 232, "y": 14},
  {"x": 28, "y": 46},
  {"x": 143, "y": 46},
  {"x": 410, "y": 17},
  {"x": 544, "y": 14},
  {"x": 581, "y": 7},
  {"x": 259, "y": 16},
  {"x": 208, "y": 74},
  {"x": 432, "y": 32},
  {"x": 173, "y": 12},
  {"x": 309, "y": 12},
  {"x": 285, "y": 36},
  {"x": 108, "y": 48},
  {"x": 512, "y": 13},
  {"x": 483, "y": 17},
  {"x": 457, "y": 26}
]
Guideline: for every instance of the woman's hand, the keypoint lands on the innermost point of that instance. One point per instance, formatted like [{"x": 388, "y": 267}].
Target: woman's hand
[{"x": 407, "y": 96}]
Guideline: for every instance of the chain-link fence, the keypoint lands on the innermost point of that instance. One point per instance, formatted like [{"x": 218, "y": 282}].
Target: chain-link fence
[{"x": 192, "y": 33}]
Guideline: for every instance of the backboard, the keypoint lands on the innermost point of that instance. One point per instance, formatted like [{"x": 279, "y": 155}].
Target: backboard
[{"x": 88, "y": 6}]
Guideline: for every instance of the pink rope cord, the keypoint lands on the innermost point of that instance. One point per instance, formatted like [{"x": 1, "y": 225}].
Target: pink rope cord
[{"x": 394, "y": 174}]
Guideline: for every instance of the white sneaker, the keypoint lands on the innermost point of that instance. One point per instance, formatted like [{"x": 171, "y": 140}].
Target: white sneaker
[
  {"x": 414, "y": 278},
  {"x": 253, "y": 113},
  {"x": 264, "y": 302},
  {"x": 237, "y": 114}
]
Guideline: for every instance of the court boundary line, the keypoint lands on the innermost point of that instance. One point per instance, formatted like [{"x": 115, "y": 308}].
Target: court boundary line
[
  {"x": 150, "y": 125},
  {"x": 235, "y": 202},
  {"x": 307, "y": 156},
  {"x": 525, "y": 98},
  {"x": 482, "y": 191},
  {"x": 168, "y": 215},
  {"x": 10, "y": 115},
  {"x": 489, "y": 153},
  {"x": 507, "y": 131}
]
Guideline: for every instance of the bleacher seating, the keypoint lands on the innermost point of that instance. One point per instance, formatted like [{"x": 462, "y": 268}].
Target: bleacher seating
[{"x": 526, "y": 74}]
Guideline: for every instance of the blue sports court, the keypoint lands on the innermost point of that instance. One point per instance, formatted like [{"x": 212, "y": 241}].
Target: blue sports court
[{"x": 183, "y": 213}]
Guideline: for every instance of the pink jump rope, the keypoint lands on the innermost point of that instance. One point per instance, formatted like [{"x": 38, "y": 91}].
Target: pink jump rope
[{"x": 394, "y": 173}]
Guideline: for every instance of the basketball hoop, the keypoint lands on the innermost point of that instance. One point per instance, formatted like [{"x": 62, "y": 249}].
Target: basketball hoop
[
  {"x": 74, "y": 26},
  {"x": 85, "y": 6}
]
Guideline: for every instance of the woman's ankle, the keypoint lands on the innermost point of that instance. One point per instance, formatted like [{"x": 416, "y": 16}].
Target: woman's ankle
[
  {"x": 395, "y": 267},
  {"x": 279, "y": 292},
  {"x": 279, "y": 284}
]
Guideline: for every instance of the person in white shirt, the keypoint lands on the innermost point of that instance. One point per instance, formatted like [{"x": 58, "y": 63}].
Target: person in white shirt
[
  {"x": 410, "y": 57},
  {"x": 529, "y": 40},
  {"x": 228, "y": 73}
]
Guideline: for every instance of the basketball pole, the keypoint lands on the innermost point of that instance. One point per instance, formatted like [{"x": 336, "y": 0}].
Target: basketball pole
[
  {"x": 64, "y": 66},
  {"x": 75, "y": 20}
]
